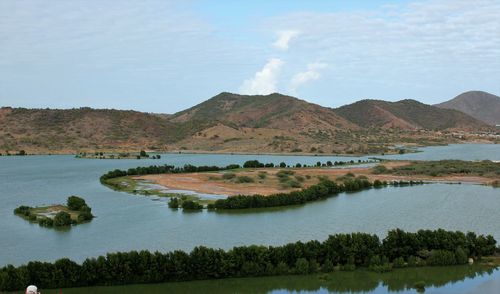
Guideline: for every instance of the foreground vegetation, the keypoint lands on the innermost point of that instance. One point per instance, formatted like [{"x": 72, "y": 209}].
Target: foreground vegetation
[
  {"x": 338, "y": 252},
  {"x": 75, "y": 212}
]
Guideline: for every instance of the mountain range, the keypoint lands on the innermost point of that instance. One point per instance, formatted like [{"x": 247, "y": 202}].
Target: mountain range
[{"x": 237, "y": 123}]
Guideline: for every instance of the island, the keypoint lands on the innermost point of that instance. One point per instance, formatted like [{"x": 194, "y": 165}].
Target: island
[
  {"x": 117, "y": 155},
  {"x": 76, "y": 211},
  {"x": 259, "y": 185}
]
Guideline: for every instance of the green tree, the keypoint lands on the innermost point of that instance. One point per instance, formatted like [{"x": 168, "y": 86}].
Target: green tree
[
  {"x": 173, "y": 203},
  {"x": 302, "y": 266},
  {"x": 62, "y": 219},
  {"x": 76, "y": 203}
]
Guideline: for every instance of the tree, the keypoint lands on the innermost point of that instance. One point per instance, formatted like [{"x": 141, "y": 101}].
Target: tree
[
  {"x": 173, "y": 203},
  {"x": 143, "y": 153},
  {"x": 76, "y": 203},
  {"x": 62, "y": 219},
  {"x": 22, "y": 153},
  {"x": 282, "y": 164},
  {"x": 302, "y": 266}
]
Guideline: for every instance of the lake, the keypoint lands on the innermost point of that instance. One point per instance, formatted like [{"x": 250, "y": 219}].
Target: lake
[
  {"x": 451, "y": 279},
  {"x": 128, "y": 222}
]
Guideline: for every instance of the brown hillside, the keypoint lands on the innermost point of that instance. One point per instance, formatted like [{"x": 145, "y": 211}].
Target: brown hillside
[
  {"x": 407, "y": 115},
  {"x": 480, "y": 105}
]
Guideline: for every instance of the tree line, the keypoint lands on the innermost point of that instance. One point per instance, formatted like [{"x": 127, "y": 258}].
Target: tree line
[
  {"x": 324, "y": 189},
  {"x": 188, "y": 168},
  {"x": 337, "y": 252}
]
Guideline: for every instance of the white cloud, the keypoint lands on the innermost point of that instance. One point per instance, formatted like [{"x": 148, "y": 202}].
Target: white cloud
[
  {"x": 312, "y": 73},
  {"x": 423, "y": 49},
  {"x": 284, "y": 38},
  {"x": 264, "y": 81}
]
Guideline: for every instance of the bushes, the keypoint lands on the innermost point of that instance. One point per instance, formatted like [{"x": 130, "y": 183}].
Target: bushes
[
  {"x": 326, "y": 188},
  {"x": 191, "y": 205},
  {"x": 62, "y": 219},
  {"x": 244, "y": 179},
  {"x": 347, "y": 251},
  {"x": 173, "y": 203},
  {"x": 76, "y": 203},
  {"x": 23, "y": 210},
  {"x": 446, "y": 167},
  {"x": 228, "y": 176}
]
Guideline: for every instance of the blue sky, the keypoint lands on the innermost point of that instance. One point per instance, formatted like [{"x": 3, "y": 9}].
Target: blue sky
[{"x": 165, "y": 56}]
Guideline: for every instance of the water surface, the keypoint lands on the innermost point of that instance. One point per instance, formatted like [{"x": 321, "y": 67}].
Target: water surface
[{"x": 128, "y": 222}]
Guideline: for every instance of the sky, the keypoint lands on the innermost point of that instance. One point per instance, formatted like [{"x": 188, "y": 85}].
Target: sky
[{"x": 165, "y": 56}]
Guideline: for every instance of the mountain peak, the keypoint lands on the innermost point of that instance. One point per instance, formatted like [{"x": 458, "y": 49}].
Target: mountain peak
[{"x": 478, "y": 104}]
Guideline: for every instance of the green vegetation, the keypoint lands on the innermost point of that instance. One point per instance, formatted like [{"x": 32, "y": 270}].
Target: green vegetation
[
  {"x": 324, "y": 189},
  {"x": 75, "y": 212},
  {"x": 244, "y": 179},
  {"x": 228, "y": 176},
  {"x": 122, "y": 155},
  {"x": 342, "y": 251},
  {"x": 485, "y": 168},
  {"x": 191, "y": 205}
]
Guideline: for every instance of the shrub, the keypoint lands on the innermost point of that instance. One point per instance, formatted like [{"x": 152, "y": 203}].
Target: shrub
[
  {"x": 253, "y": 164},
  {"x": 62, "y": 219},
  {"x": 262, "y": 175},
  {"x": 398, "y": 262},
  {"x": 173, "y": 203},
  {"x": 191, "y": 205},
  {"x": 228, "y": 176},
  {"x": 380, "y": 169},
  {"x": 75, "y": 203},
  {"x": 302, "y": 266},
  {"x": 244, "y": 179}
]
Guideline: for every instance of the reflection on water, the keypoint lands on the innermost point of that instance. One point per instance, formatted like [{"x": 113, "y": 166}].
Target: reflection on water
[{"x": 455, "y": 279}]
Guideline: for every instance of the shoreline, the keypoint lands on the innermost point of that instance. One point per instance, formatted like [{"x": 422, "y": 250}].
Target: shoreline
[{"x": 195, "y": 152}]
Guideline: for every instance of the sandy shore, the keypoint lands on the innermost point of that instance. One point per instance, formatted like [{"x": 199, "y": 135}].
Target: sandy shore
[{"x": 210, "y": 182}]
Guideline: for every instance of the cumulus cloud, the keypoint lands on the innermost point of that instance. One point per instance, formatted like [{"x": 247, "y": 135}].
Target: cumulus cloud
[
  {"x": 264, "y": 81},
  {"x": 284, "y": 38},
  {"x": 312, "y": 73}
]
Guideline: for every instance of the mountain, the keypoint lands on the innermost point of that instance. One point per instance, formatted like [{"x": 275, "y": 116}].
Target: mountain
[
  {"x": 480, "y": 105},
  {"x": 229, "y": 122},
  {"x": 47, "y": 130},
  {"x": 407, "y": 115},
  {"x": 274, "y": 111}
]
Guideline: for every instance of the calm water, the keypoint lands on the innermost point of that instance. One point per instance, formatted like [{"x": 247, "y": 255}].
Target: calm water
[
  {"x": 128, "y": 222},
  {"x": 458, "y": 279}
]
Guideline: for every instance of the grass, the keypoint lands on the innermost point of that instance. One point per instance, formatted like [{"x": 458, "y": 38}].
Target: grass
[{"x": 485, "y": 168}]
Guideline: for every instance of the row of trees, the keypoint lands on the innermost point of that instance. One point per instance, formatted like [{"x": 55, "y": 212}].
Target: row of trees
[
  {"x": 340, "y": 251},
  {"x": 324, "y": 189}
]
